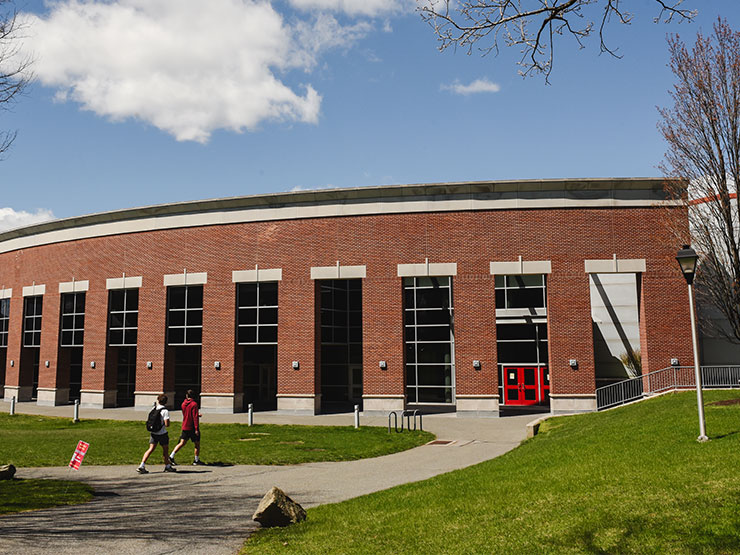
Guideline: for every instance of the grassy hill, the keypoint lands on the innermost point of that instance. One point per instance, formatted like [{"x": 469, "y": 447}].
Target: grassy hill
[{"x": 631, "y": 480}]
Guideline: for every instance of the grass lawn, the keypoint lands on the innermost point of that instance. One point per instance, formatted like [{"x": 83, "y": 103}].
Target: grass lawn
[
  {"x": 27, "y": 440},
  {"x": 631, "y": 480},
  {"x": 26, "y": 495}
]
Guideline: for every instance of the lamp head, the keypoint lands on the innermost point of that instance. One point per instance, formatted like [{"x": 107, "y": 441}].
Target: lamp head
[{"x": 687, "y": 258}]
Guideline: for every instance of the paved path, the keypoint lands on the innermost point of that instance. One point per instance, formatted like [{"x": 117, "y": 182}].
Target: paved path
[{"x": 208, "y": 509}]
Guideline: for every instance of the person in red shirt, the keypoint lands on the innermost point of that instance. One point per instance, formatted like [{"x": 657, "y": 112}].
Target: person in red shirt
[{"x": 190, "y": 428}]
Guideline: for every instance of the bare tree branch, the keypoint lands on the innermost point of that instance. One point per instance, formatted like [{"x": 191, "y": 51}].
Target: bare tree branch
[
  {"x": 528, "y": 23},
  {"x": 15, "y": 75},
  {"x": 702, "y": 130}
]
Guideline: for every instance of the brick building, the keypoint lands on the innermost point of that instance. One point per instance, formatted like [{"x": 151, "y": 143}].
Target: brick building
[{"x": 465, "y": 296}]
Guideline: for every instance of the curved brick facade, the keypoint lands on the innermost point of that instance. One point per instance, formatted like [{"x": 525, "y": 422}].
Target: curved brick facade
[{"x": 615, "y": 224}]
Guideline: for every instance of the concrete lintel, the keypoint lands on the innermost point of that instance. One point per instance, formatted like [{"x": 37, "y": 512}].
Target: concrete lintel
[
  {"x": 126, "y": 282},
  {"x": 186, "y": 278},
  {"x": 615, "y": 266},
  {"x": 257, "y": 275},
  {"x": 33, "y": 290}
]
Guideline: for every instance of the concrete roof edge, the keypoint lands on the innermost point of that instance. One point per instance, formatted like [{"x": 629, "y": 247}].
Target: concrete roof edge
[{"x": 325, "y": 196}]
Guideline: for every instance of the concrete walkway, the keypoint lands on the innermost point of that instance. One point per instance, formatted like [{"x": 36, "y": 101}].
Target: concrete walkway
[{"x": 208, "y": 509}]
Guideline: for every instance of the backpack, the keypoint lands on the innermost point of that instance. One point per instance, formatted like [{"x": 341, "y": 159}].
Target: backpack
[{"x": 154, "y": 420}]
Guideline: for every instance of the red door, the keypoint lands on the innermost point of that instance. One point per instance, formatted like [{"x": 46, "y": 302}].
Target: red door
[{"x": 526, "y": 385}]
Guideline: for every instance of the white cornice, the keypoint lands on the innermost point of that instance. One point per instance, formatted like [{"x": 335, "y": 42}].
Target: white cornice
[{"x": 396, "y": 199}]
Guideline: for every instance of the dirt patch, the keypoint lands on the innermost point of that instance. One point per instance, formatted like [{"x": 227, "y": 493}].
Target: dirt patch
[{"x": 726, "y": 402}]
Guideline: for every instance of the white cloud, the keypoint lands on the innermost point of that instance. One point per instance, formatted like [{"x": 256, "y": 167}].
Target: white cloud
[
  {"x": 324, "y": 32},
  {"x": 186, "y": 67},
  {"x": 475, "y": 87},
  {"x": 10, "y": 218},
  {"x": 370, "y": 8}
]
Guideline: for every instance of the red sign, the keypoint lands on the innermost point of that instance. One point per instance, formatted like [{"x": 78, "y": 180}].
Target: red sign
[{"x": 79, "y": 455}]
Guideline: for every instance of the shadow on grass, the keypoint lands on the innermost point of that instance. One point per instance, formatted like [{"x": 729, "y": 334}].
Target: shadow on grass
[
  {"x": 722, "y": 436},
  {"x": 635, "y": 535}
]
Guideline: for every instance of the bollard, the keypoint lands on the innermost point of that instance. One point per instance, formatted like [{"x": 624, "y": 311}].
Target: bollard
[
  {"x": 357, "y": 416},
  {"x": 76, "y": 417},
  {"x": 12, "y": 405},
  {"x": 250, "y": 411}
]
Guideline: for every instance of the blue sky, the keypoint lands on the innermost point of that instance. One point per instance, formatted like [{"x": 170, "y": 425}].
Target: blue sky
[{"x": 353, "y": 99}]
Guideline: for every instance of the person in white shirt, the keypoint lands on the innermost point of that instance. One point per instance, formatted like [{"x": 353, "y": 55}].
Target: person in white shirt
[{"x": 159, "y": 437}]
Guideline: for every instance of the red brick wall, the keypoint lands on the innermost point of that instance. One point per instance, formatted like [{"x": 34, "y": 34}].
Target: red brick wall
[{"x": 472, "y": 239}]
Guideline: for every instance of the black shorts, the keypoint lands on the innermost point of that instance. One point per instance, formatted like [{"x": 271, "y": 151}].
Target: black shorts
[
  {"x": 191, "y": 435},
  {"x": 162, "y": 439}
]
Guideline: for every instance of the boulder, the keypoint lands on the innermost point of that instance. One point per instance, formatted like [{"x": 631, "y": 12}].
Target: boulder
[
  {"x": 277, "y": 509},
  {"x": 7, "y": 471}
]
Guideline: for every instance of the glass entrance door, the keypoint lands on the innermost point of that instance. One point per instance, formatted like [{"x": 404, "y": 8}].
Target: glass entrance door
[{"x": 526, "y": 385}]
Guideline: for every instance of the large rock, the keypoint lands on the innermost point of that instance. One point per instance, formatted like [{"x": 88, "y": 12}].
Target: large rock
[
  {"x": 277, "y": 509},
  {"x": 7, "y": 471}
]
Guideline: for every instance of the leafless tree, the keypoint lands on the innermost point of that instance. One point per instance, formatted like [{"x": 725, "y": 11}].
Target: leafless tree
[
  {"x": 14, "y": 68},
  {"x": 702, "y": 130},
  {"x": 531, "y": 25}
]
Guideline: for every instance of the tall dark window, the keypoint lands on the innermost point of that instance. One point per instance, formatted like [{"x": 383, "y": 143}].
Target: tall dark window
[
  {"x": 123, "y": 317},
  {"x": 185, "y": 315},
  {"x": 257, "y": 313},
  {"x": 73, "y": 320},
  {"x": 521, "y": 291},
  {"x": 341, "y": 341},
  {"x": 32, "y": 320},
  {"x": 430, "y": 339},
  {"x": 4, "y": 321}
]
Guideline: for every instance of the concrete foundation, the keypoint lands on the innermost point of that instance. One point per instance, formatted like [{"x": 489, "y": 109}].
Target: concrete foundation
[
  {"x": 477, "y": 406},
  {"x": 52, "y": 396},
  {"x": 572, "y": 404},
  {"x": 299, "y": 404}
]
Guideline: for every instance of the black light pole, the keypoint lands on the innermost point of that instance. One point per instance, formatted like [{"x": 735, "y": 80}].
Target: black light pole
[{"x": 687, "y": 258}]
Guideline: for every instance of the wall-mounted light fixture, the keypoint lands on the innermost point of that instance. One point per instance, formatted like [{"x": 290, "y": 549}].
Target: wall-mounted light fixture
[
  {"x": 46, "y": 363},
  {"x": 296, "y": 365},
  {"x": 149, "y": 364},
  {"x": 674, "y": 362},
  {"x": 476, "y": 364},
  {"x": 573, "y": 363},
  {"x": 92, "y": 364},
  {"x": 217, "y": 365},
  {"x": 12, "y": 363},
  {"x": 383, "y": 365}
]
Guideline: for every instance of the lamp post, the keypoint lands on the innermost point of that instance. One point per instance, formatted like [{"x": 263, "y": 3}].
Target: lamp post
[{"x": 687, "y": 258}]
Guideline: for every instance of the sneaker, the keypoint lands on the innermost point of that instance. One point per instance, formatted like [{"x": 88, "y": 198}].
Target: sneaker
[
  {"x": 198, "y": 463},
  {"x": 169, "y": 469},
  {"x": 172, "y": 462},
  {"x": 142, "y": 470}
]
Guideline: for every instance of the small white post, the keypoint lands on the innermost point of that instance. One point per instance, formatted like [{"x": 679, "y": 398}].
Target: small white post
[
  {"x": 250, "y": 412},
  {"x": 76, "y": 417},
  {"x": 357, "y": 416},
  {"x": 12, "y": 406}
]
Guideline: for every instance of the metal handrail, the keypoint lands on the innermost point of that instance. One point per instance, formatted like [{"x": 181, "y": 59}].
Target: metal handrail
[{"x": 665, "y": 379}]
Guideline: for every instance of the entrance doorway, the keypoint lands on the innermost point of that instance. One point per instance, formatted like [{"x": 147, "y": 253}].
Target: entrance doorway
[
  {"x": 341, "y": 344},
  {"x": 125, "y": 376},
  {"x": 187, "y": 372},
  {"x": 260, "y": 377},
  {"x": 527, "y": 385}
]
